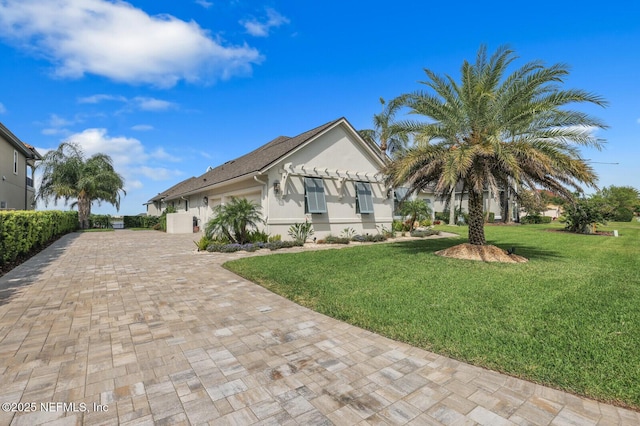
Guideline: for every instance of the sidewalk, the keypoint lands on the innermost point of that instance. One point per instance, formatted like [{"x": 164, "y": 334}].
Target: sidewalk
[{"x": 135, "y": 328}]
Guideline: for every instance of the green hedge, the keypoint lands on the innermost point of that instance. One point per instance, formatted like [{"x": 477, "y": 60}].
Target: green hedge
[
  {"x": 533, "y": 219},
  {"x": 140, "y": 221},
  {"x": 22, "y": 231}
]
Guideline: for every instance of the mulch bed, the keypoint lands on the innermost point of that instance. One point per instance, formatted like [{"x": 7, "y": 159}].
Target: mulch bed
[{"x": 486, "y": 253}]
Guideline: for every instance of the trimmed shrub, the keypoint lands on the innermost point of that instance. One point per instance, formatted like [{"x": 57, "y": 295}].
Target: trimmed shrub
[
  {"x": 23, "y": 231},
  {"x": 141, "y": 221},
  {"x": 330, "y": 239},
  {"x": 535, "y": 219},
  {"x": 421, "y": 233},
  {"x": 369, "y": 238}
]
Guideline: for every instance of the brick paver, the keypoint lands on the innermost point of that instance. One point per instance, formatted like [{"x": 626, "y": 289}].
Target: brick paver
[{"x": 135, "y": 328}]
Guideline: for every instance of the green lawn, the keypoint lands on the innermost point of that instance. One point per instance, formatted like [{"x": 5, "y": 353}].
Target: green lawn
[{"x": 569, "y": 318}]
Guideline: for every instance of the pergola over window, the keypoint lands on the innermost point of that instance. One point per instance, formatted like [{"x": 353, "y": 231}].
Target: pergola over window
[{"x": 314, "y": 201}]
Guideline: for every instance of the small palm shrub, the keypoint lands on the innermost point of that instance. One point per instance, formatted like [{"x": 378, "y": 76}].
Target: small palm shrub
[
  {"x": 301, "y": 231},
  {"x": 203, "y": 243},
  {"x": 274, "y": 238},
  {"x": 234, "y": 220}
]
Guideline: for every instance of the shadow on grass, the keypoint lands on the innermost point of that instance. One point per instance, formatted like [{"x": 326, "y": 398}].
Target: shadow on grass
[
  {"x": 28, "y": 271},
  {"x": 433, "y": 245}
]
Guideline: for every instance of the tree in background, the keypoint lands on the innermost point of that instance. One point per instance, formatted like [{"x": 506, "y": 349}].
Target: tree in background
[
  {"x": 496, "y": 131},
  {"x": 233, "y": 220},
  {"x": 623, "y": 200},
  {"x": 68, "y": 175},
  {"x": 385, "y": 133},
  {"x": 584, "y": 214}
]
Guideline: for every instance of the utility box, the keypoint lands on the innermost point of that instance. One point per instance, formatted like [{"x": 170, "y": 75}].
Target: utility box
[{"x": 179, "y": 223}]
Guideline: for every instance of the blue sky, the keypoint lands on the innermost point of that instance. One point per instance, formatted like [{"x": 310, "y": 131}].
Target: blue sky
[{"x": 168, "y": 88}]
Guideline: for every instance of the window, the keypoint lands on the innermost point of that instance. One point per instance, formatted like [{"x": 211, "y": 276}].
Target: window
[
  {"x": 314, "y": 201},
  {"x": 364, "y": 201},
  {"x": 15, "y": 162},
  {"x": 400, "y": 194}
]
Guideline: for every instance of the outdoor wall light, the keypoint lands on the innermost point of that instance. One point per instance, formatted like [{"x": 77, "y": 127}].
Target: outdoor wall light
[
  {"x": 205, "y": 200},
  {"x": 276, "y": 187}
]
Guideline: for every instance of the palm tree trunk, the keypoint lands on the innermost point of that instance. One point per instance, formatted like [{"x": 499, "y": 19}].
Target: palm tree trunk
[
  {"x": 476, "y": 219},
  {"x": 84, "y": 212}
]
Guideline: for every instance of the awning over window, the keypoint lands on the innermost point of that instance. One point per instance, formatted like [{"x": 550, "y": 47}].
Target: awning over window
[
  {"x": 363, "y": 197},
  {"x": 314, "y": 193}
]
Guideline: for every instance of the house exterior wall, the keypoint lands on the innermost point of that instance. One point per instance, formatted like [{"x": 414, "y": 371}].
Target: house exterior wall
[
  {"x": 13, "y": 187},
  {"x": 179, "y": 223},
  {"x": 335, "y": 150}
]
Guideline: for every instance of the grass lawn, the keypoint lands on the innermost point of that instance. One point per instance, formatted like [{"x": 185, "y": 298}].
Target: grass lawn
[{"x": 569, "y": 318}]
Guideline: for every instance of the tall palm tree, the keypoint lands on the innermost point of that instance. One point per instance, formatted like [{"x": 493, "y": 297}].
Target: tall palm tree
[
  {"x": 385, "y": 133},
  {"x": 68, "y": 175},
  {"x": 497, "y": 131}
]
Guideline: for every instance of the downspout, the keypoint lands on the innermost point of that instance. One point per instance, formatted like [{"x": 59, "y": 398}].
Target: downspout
[{"x": 266, "y": 217}]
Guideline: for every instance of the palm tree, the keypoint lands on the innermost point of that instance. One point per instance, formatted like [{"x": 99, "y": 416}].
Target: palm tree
[
  {"x": 68, "y": 175},
  {"x": 233, "y": 220},
  {"x": 385, "y": 133},
  {"x": 416, "y": 210},
  {"x": 494, "y": 130}
]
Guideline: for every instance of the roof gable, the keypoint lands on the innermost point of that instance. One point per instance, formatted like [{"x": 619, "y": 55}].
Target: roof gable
[
  {"x": 26, "y": 149},
  {"x": 259, "y": 159}
]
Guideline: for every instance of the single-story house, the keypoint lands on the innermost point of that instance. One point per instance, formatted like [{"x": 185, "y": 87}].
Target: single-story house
[
  {"x": 17, "y": 166},
  {"x": 493, "y": 202},
  {"x": 328, "y": 176}
]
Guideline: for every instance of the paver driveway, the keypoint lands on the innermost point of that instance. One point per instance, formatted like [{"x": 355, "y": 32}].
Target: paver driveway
[{"x": 136, "y": 328}]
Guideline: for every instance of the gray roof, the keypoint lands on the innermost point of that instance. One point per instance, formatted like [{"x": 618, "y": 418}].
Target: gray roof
[
  {"x": 26, "y": 149},
  {"x": 253, "y": 162},
  {"x": 172, "y": 192}
]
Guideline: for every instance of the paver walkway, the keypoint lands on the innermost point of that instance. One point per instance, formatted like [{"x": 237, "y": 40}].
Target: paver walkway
[{"x": 135, "y": 328}]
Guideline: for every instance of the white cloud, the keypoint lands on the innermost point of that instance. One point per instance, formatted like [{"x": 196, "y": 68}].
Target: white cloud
[
  {"x": 204, "y": 3},
  {"x": 94, "y": 99},
  {"x": 152, "y": 104},
  {"x": 2, "y": 108},
  {"x": 142, "y": 127},
  {"x": 133, "y": 184},
  {"x": 258, "y": 28},
  {"x": 121, "y": 42},
  {"x": 122, "y": 150},
  {"x": 161, "y": 154},
  {"x": 129, "y": 155},
  {"x": 139, "y": 103},
  {"x": 57, "y": 125},
  {"x": 157, "y": 173}
]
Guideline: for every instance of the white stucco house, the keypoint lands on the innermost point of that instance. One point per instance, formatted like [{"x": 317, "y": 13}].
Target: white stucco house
[{"x": 328, "y": 176}]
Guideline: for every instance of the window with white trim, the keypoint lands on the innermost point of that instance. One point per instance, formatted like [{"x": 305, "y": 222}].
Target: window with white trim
[
  {"x": 364, "y": 200},
  {"x": 314, "y": 201},
  {"x": 15, "y": 162}
]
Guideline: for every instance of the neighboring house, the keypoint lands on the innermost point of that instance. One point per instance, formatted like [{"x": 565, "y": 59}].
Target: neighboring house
[
  {"x": 17, "y": 163},
  {"x": 328, "y": 176},
  {"x": 492, "y": 201}
]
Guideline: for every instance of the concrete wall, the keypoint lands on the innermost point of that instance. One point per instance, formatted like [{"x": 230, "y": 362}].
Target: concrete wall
[{"x": 179, "y": 223}]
